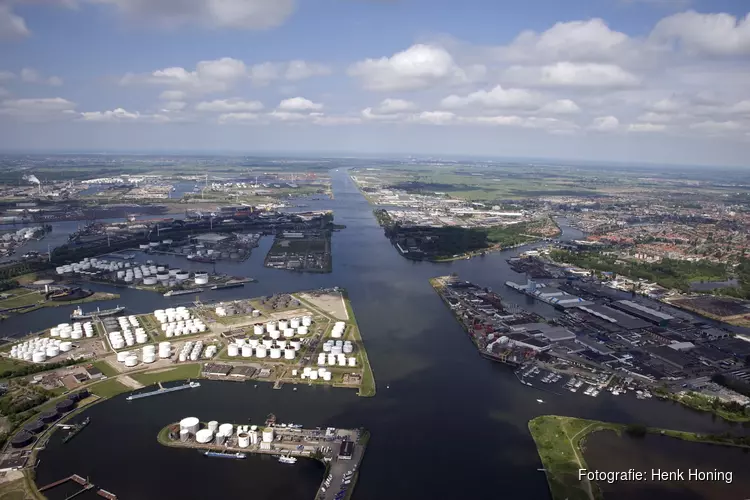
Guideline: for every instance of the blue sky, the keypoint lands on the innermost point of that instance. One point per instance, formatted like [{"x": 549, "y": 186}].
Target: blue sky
[{"x": 622, "y": 80}]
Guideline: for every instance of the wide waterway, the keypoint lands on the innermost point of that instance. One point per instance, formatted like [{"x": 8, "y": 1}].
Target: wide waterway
[{"x": 445, "y": 423}]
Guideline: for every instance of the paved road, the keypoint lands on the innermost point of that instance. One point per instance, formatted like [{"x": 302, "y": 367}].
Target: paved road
[{"x": 338, "y": 469}]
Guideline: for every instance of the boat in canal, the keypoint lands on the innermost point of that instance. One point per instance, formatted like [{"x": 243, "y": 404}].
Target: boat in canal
[
  {"x": 78, "y": 428},
  {"x": 174, "y": 293},
  {"x": 287, "y": 459},
  {"x": 201, "y": 258},
  {"x": 219, "y": 454},
  {"x": 226, "y": 286},
  {"x": 79, "y": 314},
  {"x": 163, "y": 390}
]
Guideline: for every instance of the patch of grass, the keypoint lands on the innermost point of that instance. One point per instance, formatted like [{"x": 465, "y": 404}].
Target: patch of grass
[
  {"x": 109, "y": 388},
  {"x": 180, "y": 373},
  {"x": 14, "y": 490},
  {"x": 21, "y": 297},
  {"x": 107, "y": 369}
]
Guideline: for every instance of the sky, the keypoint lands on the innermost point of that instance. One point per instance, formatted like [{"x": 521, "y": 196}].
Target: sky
[{"x": 659, "y": 81}]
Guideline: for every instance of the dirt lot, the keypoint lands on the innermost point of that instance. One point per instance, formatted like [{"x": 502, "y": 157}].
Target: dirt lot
[{"x": 330, "y": 303}]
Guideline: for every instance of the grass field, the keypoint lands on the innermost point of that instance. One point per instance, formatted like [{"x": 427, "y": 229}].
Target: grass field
[
  {"x": 180, "y": 373},
  {"x": 21, "y": 297},
  {"x": 107, "y": 369},
  {"x": 368, "y": 387},
  {"x": 109, "y": 388}
]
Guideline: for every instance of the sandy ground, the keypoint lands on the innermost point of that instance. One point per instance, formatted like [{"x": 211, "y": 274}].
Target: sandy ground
[
  {"x": 330, "y": 303},
  {"x": 125, "y": 380}
]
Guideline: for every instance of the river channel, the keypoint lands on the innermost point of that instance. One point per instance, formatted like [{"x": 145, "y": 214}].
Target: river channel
[{"x": 445, "y": 423}]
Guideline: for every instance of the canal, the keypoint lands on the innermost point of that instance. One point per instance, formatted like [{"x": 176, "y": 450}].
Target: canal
[{"x": 445, "y": 422}]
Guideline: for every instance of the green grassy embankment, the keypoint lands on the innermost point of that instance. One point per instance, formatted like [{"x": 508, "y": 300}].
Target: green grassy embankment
[
  {"x": 368, "y": 387},
  {"x": 109, "y": 388},
  {"x": 182, "y": 372},
  {"x": 107, "y": 369}
]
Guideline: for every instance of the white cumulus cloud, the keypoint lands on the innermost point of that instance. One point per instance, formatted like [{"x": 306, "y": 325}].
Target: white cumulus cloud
[
  {"x": 229, "y": 106},
  {"x": 11, "y": 25},
  {"x": 299, "y": 104},
  {"x": 604, "y": 124},
  {"x": 646, "y": 127},
  {"x": 561, "y": 107},
  {"x": 498, "y": 97},
  {"x": 713, "y": 34}
]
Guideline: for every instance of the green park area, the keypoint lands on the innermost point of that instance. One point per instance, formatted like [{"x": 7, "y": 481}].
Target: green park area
[
  {"x": 109, "y": 388},
  {"x": 183, "y": 372},
  {"x": 560, "y": 442}
]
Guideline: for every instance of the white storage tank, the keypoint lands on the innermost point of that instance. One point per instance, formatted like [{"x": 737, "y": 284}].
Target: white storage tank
[
  {"x": 243, "y": 440},
  {"x": 66, "y": 346},
  {"x": 131, "y": 361},
  {"x": 275, "y": 353},
  {"x": 184, "y": 435},
  {"x": 149, "y": 280},
  {"x": 313, "y": 375},
  {"x": 289, "y": 354},
  {"x": 233, "y": 350},
  {"x": 213, "y": 426},
  {"x": 267, "y": 435},
  {"x": 260, "y": 352},
  {"x": 247, "y": 351},
  {"x": 283, "y": 325},
  {"x": 39, "y": 357},
  {"x": 352, "y": 361},
  {"x": 267, "y": 343},
  {"x": 226, "y": 429},
  {"x": 191, "y": 424},
  {"x": 295, "y": 344},
  {"x": 327, "y": 376},
  {"x": 52, "y": 351},
  {"x": 258, "y": 329},
  {"x": 288, "y": 333},
  {"x": 204, "y": 436},
  {"x": 306, "y": 320},
  {"x": 200, "y": 278},
  {"x": 275, "y": 334},
  {"x": 302, "y": 330},
  {"x": 294, "y": 323}
]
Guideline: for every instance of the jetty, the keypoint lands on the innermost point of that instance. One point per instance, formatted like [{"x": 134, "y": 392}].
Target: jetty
[{"x": 163, "y": 390}]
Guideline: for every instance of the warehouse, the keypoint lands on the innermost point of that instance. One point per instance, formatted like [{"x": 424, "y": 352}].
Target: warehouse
[
  {"x": 524, "y": 341},
  {"x": 645, "y": 313},
  {"x": 346, "y": 451},
  {"x": 593, "y": 345},
  {"x": 216, "y": 370},
  {"x": 615, "y": 317},
  {"x": 549, "y": 332}
]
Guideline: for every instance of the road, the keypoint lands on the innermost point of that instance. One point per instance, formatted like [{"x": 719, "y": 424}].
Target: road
[{"x": 338, "y": 469}]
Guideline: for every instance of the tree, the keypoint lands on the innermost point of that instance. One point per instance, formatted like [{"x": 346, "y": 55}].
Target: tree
[{"x": 636, "y": 430}]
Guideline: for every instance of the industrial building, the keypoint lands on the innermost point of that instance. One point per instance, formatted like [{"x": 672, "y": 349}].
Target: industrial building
[
  {"x": 525, "y": 341},
  {"x": 593, "y": 345},
  {"x": 347, "y": 450},
  {"x": 544, "y": 330},
  {"x": 672, "y": 357},
  {"x": 645, "y": 313},
  {"x": 210, "y": 239},
  {"x": 614, "y": 317}
]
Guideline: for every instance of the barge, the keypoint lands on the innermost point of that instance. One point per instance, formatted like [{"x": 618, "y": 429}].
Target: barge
[{"x": 163, "y": 390}]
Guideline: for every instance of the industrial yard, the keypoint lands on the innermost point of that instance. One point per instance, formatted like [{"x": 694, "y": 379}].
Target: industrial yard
[
  {"x": 308, "y": 251},
  {"x": 341, "y": 450}
]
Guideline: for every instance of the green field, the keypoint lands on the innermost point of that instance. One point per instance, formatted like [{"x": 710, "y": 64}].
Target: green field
[
  {"x": 108, "y": 388},
  {"x": 105, "y": 368},
  {"x": 21, "y": 297},
  {"x": 182, "y": 372}
]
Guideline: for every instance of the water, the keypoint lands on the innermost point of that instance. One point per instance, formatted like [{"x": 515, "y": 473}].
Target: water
[{"x": 451, "y": 425}]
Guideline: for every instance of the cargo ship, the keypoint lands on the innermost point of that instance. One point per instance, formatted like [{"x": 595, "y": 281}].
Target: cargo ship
[
  {"x": 163, "y": 390},
  {"x": 174, "y": 293},
  {"x": 201, "y": 258},
  {"x": 79, "y": 314},
  {"x": 219, "y": 454},
  {"x": 227, "y": 285},
  {"x": 76, "y": 430}
]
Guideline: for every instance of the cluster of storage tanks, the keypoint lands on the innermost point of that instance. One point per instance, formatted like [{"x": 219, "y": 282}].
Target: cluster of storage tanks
[
  {"x": 220, "y": 434},
  {"x": 192, "y": 351},
  {"x": 148, "y": 356},
  {"x": 331, "y": 359},
  {"x": 40, "y": 349},
  {"x": 265, "y": 348},
  {"x": 76, "y": 331},
  {"x": 338, "y": 330},
  {"x": 132, "y": 273},
  {"x": 92, "y": 266},
  {"x": 315, "y": 374},
  {"x": 178, "y": 321},
  {"x": 131, "y": 333}
]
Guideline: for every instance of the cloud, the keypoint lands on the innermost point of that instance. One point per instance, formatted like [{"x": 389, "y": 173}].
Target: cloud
[
  {"x": 116, "y": 115},
  {"x": 604, "y": 124},
  {"x": 229, "y": 106},
  {"x": 298, "y": 104},
  {"x": 173, "y": 95},
  {"x": 418, "y": 67},
  {"x": 30, "y": 75},
  {"x": 4, "y": 92},
  {"x": 240, "y": 14},
  {"x": 561, "y": 107},
  {"x": 289, "y": 116},
  {"x": 37, "y": 109},
  {"x": 711, "y": 34},
  {"x": 651, "y": 117},
  {"x": 395, "y": 106},
  {"x": 228, "y": 118},
  {"x": 12, "y": 26},
  {"x": 568, "y": 74},
  {"x": 646, "y": 127},
  {"x": 498, "y": 97},
  {"x": 712, "y": 126},
  {"x": 433, "y": 117},
  {"x": 296, "y": 70},
  {"x": 301, "y": 70},
  {"x": 6, "y": 75},
  {"x": 174, "y": 105}
]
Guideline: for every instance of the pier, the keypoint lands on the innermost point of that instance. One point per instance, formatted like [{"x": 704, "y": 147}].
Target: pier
[
  {"x": 341, "y": 449},
  {"x": 163, "y": 390},
  {"x": 83, "y": 482}
]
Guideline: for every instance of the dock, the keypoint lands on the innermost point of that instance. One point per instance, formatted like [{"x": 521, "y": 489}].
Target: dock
[
  {"x": 82, "y": 481},
  {"x": 163, "y": 390},
  {"x": 341, "y": 449}
]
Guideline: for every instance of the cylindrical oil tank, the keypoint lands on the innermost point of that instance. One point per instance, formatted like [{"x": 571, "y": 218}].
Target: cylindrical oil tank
[
  {"x": 191, "y": 424},
  {"x": 201, "y": 279},
  {"x": 243, "y": 440},
  {"x": 204, "y": 436},
  {"x": 352, "y": 361},
  {"x": 65, "y": 406},
  {"x": 66, "y": 346},
  {"x": 275, "y": 353},
  {"x": 233, "y": 350},
  {"x": 258, "y": 329},
  {"x": 281, "y": 344},
  {"x": 275, "y": 334},
  {"x": 150, "y": 280},
  {"x": 302, "y": 330},
  {"x": 270, "y": 327},
  {"x": 220, "y": 438},
  {"x": 327, "y": 376},
  {"x": 294, "y": 323},
  {"x": 283, "y": 325},
  {"x": 182, "y": 276},
  {"x": 247, "y": 351},
  {"x": 49, "y": 416},
  {"x": 173, "y": 272},
  {"x": 22, "y": 439},
  {"x": 213, "y": 426},
  {"x": 34, "y": 427},
  {"x": 268, "y": 343},
  {"x": 313, "y": 375},
  {"x": 261, "y": 352},
  {"x": 295, "y": 344},
  {"x": 288, "y": 333},
  {"x": 289, "y": 354},
  {"x": 184, "y": 435},
  {"x": 306, "y": 320},
  {"x": 226, "y": 429},
  {"x": 268, "y": 435}
]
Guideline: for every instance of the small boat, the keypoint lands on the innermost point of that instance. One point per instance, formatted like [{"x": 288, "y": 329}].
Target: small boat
[
  {"x": 539, "y": 401},
  {"x": 287, "y": 459},
  {"x": 219, "y": 454}
]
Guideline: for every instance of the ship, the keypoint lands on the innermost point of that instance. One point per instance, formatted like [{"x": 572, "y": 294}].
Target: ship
[
  {"x": 227, "y": 285},
  {"x": 201, "y": 258},
  {"x": 219, "y": 454},
  {"x": 79, "y": 314},
  {"x": 287, "y": 459},
  {"x": 76, "y": 430},
  {"x": 173, "y": 293},
  {"x": 163, "y": 390}
]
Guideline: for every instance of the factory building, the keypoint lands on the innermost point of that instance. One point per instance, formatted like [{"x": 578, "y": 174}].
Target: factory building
[
  {"x": 645, "y": 313},
  {"x": 546, "y": 331},
  {"x": 614, "y": 317},
  {"x": 527, "y": 342},
  {"x": 593, "y": 345}
]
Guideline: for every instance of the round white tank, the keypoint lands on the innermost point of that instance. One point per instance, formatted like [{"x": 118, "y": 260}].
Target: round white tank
[
  {"x": 289, "y": 354},
  {"x": 288, "y": 333},
  {"x": 38, "y": 357},
  {"x": 342, "y": 361},
  {"x": 247, "y": 351},
  {"x": 131, "y": 361},
  {"x": 243, "y": 440},
  {"x": 173, "y": 272},
  {"x": 295, "y": 344},
  {"x": 190, "y": 423},
  {"x": 275, "y": 353},
  {"x": 149, "y": 280},
  {"x": 258, "y": 329},
  {"x": 270, "y": 327},
  {"x": 268, "y": 343},
  {"x": 226, "y": 429},
  {"x": 201, "y": 279},
  {"x": 327, "y": 347},
  {"x": 331, "y": 360},
  {"x": 184, "y": 435},
  {"x": 256, "y": 313},
  {"x": 313, "y": 375},
  {"x": 281, "y": 344},
  {"x": 306, "y": 320},
  {"x": 352, "y": 361},
  {"x": 302, "y": 330},
  {"x": 204, "y": 436},
  {"x": 213, "y": 426},
  {"x": 52, "y": 351},
  {"x": 268, "y": 435},
  {"x": 66, "y": 346},
  {"x": 327, "y": 376},
  {"x": 253, "y": 343},
  {"x": 182, "y": 276},
  {"x": 149, "y": 357},
  {"x": 220, "y": 438},
  {"x": 260, "y": 352},
  {"x": 275, "y": 334},
  {"x": 294, "y": 323},
  {"x": 283, "y": 325},
  {"x": 233, "y": 350}
]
